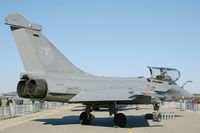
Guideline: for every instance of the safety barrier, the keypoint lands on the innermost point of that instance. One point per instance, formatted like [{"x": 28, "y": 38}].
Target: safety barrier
[
  {"x": 182, "y": 105},
  {"x": 167, "y": 115},
  {"x": 17, "y": 110},
  {"x": 188, "y": 106}
]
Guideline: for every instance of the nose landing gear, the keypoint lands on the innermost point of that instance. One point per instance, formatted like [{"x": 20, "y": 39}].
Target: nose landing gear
[
  {"x": 156, "y": 113},
  {"x": 155, "y": 116}
]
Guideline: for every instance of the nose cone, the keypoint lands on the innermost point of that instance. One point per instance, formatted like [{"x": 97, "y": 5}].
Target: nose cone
[
  {"x": 179, "y": 93},
  {"x": 186, "y": 94}
]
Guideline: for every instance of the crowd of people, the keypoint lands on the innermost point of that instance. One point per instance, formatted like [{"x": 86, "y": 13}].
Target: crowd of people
[
  {"x": 9, "y": 102},
  {"x": 195, "y": 103}
]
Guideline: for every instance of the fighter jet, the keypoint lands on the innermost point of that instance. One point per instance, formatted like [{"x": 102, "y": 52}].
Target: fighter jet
[{"x": 50, "y": 76}]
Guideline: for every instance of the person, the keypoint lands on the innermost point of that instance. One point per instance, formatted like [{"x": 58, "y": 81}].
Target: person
[
  {"x": 41, "y": 104},
  {"x": 195, "y": 102},
  {"x": 190, "y": 104},
  {"x": 11, "y": 108},
  {"x": 8, "y": 102},
  {"x": 0, "y": 102},
  {"x": 162, "y": 75}
]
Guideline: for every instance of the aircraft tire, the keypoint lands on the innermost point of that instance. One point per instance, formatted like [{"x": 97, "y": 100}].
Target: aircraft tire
[
  {"x": 84, "y": 119},
  {"x": 156, "y": 117},
  {"x": 120, "y": 120},
  {"x": 148, "y": 116}
]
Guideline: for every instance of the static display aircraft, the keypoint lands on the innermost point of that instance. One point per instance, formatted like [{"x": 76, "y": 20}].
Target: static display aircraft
[{"x": 50, "y": 76}]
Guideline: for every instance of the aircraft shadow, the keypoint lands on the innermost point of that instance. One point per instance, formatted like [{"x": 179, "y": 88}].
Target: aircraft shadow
[
  {"x": 178, "y": 116},
  {"x": 132, "y": 121}
]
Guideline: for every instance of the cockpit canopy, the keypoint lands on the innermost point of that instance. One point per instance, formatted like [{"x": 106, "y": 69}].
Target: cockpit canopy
[{"x": 164, "y": 74}]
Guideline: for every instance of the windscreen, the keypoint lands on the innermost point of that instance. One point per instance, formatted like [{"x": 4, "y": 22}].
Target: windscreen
[{"x": 167, "y": 74}]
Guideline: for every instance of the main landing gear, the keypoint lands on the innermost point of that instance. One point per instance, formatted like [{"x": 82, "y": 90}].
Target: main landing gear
[
  {"x": 119, "y": 120},
  {"x": 86, "y": 117}
]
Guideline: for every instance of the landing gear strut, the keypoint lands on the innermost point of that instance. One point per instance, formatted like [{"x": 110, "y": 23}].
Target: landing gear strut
[{"x": 156, "y": 114}]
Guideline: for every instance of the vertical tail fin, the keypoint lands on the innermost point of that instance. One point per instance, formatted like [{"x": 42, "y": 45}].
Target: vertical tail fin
[{"x": 38, "y": 54}]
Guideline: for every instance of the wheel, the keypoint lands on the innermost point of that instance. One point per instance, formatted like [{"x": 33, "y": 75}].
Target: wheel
[
  {"x": 120, "y": 120},
  {"x": 85, "y": 119},
  {"x": 156, "y": 117},
  {"x": 159, "y": 118},
  {"x": 148, "y": 116}
]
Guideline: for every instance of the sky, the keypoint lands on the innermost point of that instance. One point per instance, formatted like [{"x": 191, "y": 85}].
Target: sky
[{"x": 110, "y": 37}]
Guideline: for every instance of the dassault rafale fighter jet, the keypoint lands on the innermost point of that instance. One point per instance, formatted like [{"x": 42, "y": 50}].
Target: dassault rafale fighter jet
[{"x": 52, "y": 77}]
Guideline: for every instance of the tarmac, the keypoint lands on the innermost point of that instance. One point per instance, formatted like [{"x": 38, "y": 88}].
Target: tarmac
[{"x": 66, "y": 120}]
